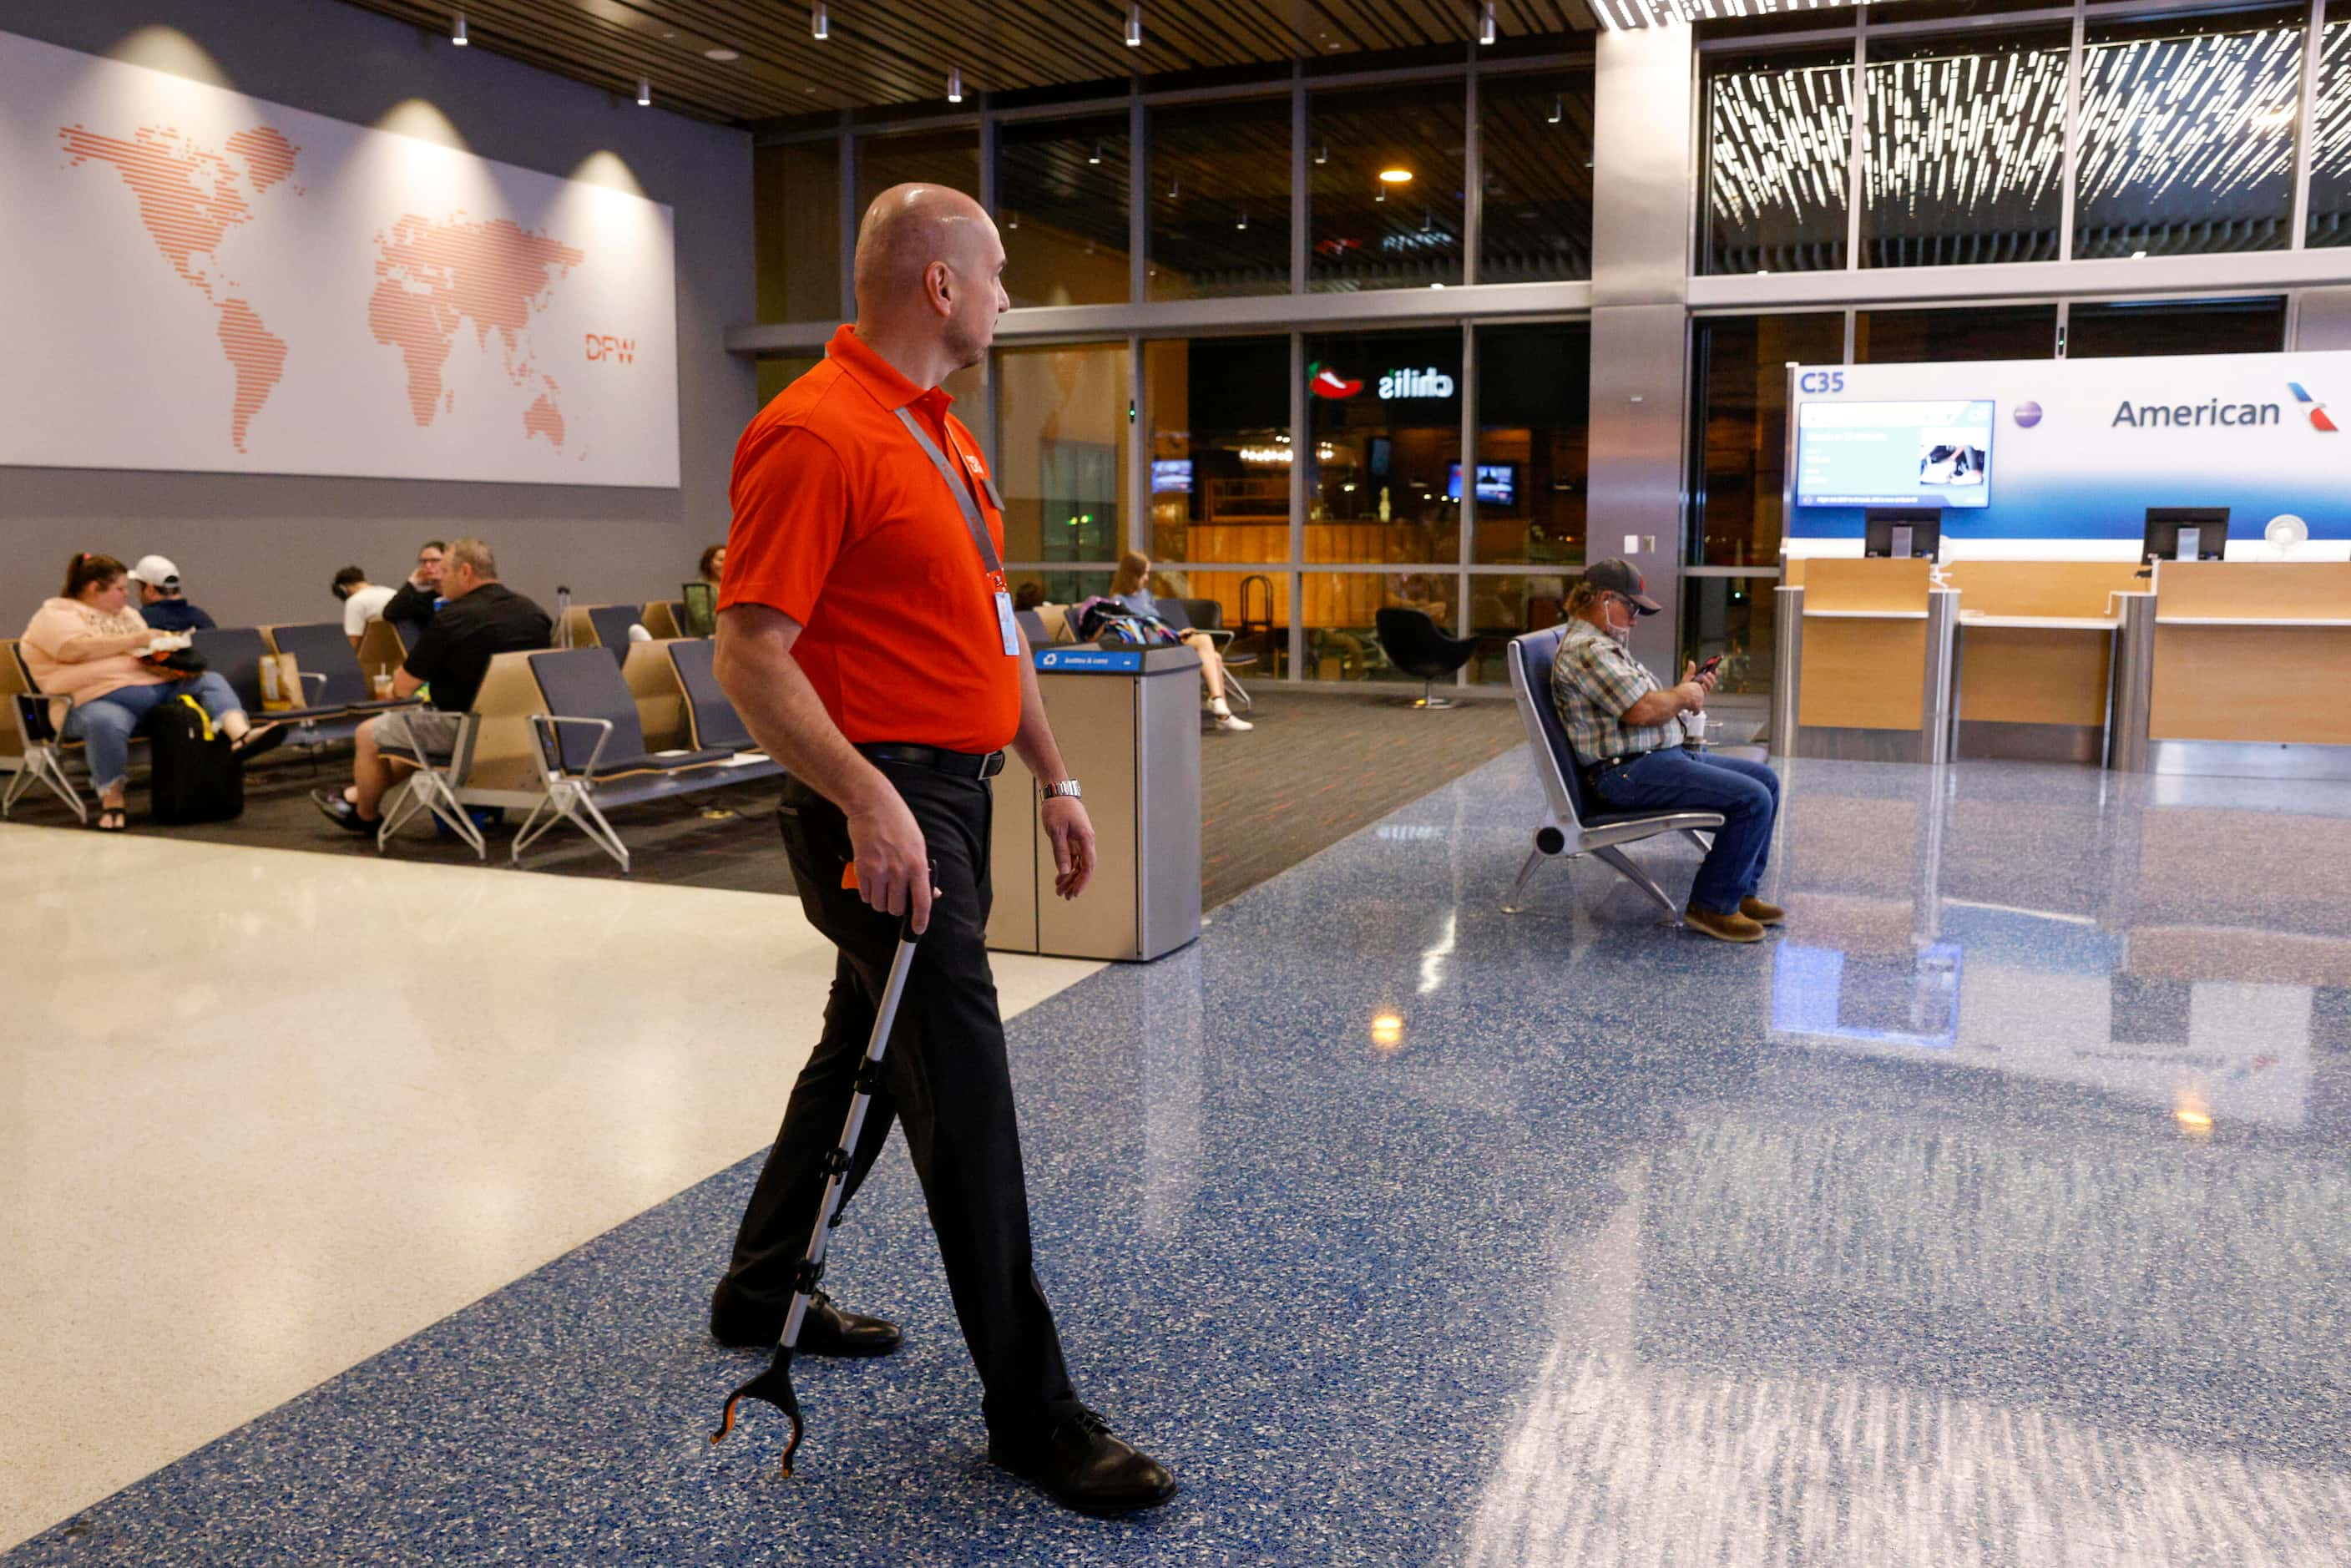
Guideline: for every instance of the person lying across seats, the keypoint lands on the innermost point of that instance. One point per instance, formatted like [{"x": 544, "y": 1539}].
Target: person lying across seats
[
  {"x": 1626, "y": 732},
  {"x": 482, "y": 619},
  {"x": 87, "y": 644}
]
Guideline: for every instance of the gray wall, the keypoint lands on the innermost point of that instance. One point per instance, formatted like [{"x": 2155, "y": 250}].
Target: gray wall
[{"x": 259, "y": 548}]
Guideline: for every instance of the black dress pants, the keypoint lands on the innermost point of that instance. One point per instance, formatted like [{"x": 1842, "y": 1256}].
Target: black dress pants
[{"x": 945, "y": 1079}]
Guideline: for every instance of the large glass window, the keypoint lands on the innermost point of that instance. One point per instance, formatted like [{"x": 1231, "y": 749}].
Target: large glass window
[
  {"x": 796, "y": 226},
  {"x": 1956, "y": 332},
  {"x": 1500, "y": 608},
  {"x": 947, "y": 156},
  {"x": 1740, "y": 393},
  {"x": 1731, "y": 616},
  {"x": 1965, "y": 146},
  {"x": 1779, "y": 143},
  {"x": 1061, "y": 467},
  {"x": 1219, "y": 422},
  {"x": 1534, "y": 427},
  {"x": 1534, "y": 137},
  {"x": 1383, "y": 419},
  {"x": 1385, "y": 172},
  {"x": 1219, "y": 187},
  {"x": 2330, "y": 162},
  {"x": 1341, "y": 615},
  {"x": 1061, "y": 206},
  {"x": 2133, "y": 327},
  {"x": 2188, "y": 135}
]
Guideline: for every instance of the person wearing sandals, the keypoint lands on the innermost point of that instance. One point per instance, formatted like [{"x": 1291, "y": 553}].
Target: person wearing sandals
[{"x": 88, "y": 644}]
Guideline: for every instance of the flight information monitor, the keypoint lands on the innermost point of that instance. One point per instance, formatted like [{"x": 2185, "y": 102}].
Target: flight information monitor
[{"x": 1894, "y": 454}]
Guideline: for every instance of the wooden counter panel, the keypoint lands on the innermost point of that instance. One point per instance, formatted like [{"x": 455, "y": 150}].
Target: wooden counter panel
[
  {"x": 2010, "y": 675},
  {"x": 2056, "y": 587},
  {"x": 2260, "y": 590},
  {"x": 2263, "y": 684},
  {"x": 1880, "y": 585},
  {"x": 1863, "y": 675}
]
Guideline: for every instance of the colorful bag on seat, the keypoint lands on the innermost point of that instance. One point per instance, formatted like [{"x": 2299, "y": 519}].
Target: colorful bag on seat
[{"x": 195, "y": 774}]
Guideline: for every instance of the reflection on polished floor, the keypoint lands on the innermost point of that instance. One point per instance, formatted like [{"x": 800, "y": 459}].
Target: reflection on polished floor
[{"x": 1998, "y": 1213}]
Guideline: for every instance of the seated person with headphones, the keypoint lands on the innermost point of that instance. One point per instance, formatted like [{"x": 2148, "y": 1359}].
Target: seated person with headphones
[{"x": 1626, "y": 732}]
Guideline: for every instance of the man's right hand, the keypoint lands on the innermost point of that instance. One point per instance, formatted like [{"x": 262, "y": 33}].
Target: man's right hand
[{"x": 893, "y": 873}]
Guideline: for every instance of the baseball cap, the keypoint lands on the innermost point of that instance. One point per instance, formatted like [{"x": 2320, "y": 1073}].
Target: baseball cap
[
  {"x": 157, "y": 572},
  {"x": 1616, "y": 574}
]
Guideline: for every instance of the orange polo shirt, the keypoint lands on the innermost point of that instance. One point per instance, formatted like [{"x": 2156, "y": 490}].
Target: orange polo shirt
[{"x": 843, "y": 523}]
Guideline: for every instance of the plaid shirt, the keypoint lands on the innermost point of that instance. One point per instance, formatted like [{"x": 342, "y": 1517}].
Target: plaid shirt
[{"x": 1593, "y": 682}]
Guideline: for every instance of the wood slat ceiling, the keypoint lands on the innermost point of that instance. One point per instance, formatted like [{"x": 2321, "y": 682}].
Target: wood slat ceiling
[{"x": 882, "y": 52}]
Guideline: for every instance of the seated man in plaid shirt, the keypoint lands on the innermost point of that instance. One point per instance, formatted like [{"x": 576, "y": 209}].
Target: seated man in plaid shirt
[{"x": 1626, "y": 732}]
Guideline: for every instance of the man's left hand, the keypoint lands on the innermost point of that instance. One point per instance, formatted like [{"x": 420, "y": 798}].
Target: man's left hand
[{"x": 1073, "y": 833}]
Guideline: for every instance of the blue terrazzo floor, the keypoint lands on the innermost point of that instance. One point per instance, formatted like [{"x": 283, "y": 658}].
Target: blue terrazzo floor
[{"x": 1997, "y": 1212}]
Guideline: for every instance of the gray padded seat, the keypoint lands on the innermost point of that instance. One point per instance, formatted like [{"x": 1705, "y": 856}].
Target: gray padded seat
[
  {"x": 714, "y": 722},
  {"x": 584, "y": 683}
]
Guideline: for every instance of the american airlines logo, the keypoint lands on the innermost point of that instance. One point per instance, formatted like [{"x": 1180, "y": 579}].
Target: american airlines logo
[
  {"x": 624, "y": 350},
  {"x": 2318, "y": 420}
]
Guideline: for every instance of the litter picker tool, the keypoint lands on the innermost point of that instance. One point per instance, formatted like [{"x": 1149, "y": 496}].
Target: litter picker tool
[{"x": 775, "y": 1385}]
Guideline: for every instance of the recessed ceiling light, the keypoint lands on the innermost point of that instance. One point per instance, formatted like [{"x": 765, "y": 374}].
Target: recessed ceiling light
[
  {"x": 721, "y": 54},
  {"x": 1396, "y": 176}
]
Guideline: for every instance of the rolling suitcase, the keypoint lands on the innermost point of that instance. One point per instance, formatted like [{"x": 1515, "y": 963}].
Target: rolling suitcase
[{"x": 195, "y": 774}]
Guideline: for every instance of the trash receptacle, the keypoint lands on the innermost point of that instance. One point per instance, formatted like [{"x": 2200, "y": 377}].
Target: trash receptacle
[{"x": 1128, "y": 722}]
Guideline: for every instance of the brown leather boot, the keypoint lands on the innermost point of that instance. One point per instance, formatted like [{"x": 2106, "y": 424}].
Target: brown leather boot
[
  {"x": 1760, "y": 913},
  {"x": 1720, "y": 927}
]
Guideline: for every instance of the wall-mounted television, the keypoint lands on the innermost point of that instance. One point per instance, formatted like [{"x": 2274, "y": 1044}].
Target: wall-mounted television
[
  {"x": 1894, "y": 454},
  {"x": 1498, "y": 483},
  {"x": 1171, "y": 476}
]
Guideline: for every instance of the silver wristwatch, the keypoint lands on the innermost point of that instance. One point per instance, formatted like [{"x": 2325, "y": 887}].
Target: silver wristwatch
[{"x": 1067, "y": 790}]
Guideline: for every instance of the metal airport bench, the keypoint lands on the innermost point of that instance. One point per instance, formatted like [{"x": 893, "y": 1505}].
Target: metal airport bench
[
  {"x": 592, "y": 752},
  {"x": 1570, "y": 826}
]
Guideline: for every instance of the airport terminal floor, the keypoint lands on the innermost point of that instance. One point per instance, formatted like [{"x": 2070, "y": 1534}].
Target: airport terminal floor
[{"x": 1996, "y": 1212}]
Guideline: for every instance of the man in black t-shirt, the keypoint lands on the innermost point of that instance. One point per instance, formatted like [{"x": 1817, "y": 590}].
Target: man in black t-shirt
[{"x": 482, "y": 619}]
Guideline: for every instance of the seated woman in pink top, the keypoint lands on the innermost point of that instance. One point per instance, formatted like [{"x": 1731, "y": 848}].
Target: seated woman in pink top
[{"x": 86, "y": 645}]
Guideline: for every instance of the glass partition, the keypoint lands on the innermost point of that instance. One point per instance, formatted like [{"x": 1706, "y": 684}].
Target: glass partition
[
  {"x": 1219, "y": 192},
  {"x": 2330, "y": 162},
  {"x": 1534, "y": 427},
  {"x": 1954, "y": 332},
  {"x": 796, "y": 225},
  {"x": 2188, "y": 135},
  {"x": 2132, "y": 327},
  {"x": 1738, "y": 394},
  {"x": 1384, "y": 172},
  {"x": 1060, "y": 207},
  {"x": 1218, "y": 414},
  {"x": 1964, "y": 149},
  {"x": 1061, "y": 467},
  {"x": 948, "y": 156},
  {"x": 1384, "y": 417},
  {"x": 1534, "y": 140},
  {"x": 1779, "y": 142}
]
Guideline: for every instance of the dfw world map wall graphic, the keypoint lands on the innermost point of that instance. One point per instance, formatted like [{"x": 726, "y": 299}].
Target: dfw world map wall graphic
[{"x": 198, "y": 280}]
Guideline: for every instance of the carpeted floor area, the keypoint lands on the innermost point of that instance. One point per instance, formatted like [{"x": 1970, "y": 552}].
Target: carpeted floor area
[{"x": 1318, "y": 766}]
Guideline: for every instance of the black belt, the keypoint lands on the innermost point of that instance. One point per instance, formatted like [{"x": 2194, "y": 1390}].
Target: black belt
[
  {"x": 962, "y": 764},
  {"x": 1592, "y": 774}
]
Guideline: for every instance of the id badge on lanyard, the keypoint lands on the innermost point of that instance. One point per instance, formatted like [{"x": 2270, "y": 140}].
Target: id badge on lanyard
[{"x": 992, "y": 564}]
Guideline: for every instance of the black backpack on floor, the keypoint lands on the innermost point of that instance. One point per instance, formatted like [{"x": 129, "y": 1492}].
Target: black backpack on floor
[{"x": 195, "y": 776}]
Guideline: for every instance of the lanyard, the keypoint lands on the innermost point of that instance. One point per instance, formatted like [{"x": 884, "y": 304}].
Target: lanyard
[{"x": 989, "y": 560}]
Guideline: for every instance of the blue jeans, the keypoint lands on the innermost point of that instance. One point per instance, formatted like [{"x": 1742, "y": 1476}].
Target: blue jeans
[
  {"x": 1746, "y": 793},
  {"x": 106, "y": 722}
]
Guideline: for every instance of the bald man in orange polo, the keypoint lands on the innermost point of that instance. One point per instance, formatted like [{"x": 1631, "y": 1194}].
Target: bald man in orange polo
[{"x": 866, "y": 634}]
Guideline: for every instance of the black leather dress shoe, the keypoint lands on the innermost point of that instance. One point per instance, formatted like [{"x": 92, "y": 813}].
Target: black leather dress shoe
[
  {"x": 1078, "y": 1463},
  {"x": 825, "y": 1329}
]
